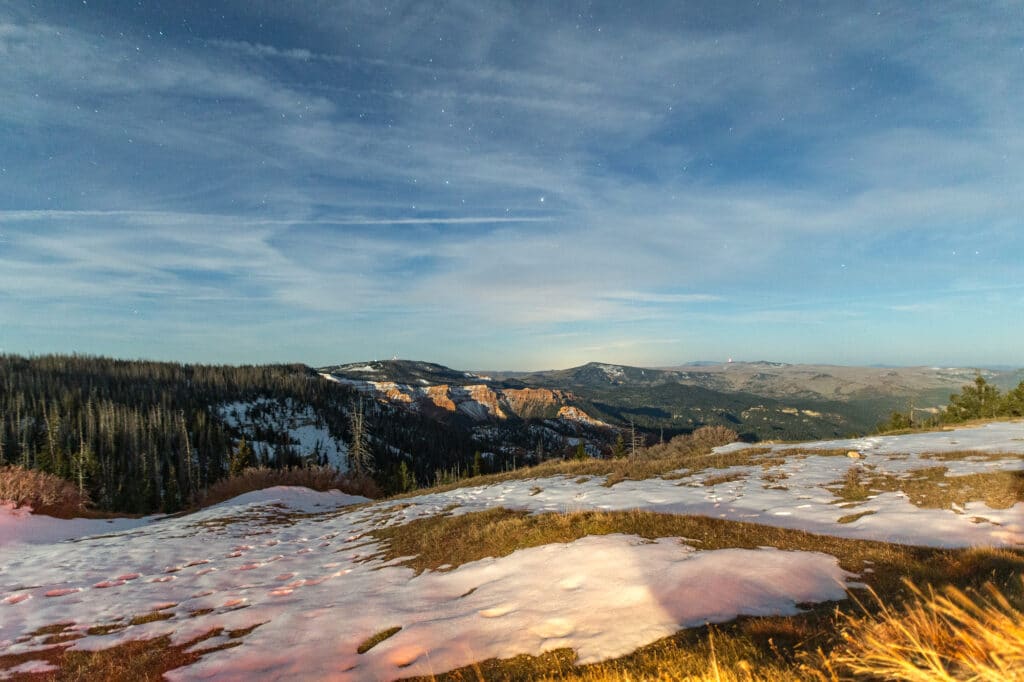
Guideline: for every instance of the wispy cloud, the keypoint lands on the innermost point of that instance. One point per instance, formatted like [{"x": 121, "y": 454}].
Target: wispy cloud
[
  {"x": 657, "y": 298},
  {"x": 170, "y": 218},
  {"x": 502, "y": 174}
]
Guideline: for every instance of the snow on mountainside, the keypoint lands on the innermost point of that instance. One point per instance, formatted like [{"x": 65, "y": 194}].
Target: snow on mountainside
[
  {"x": 437, "y": 390},
  {"x": 270, "y": 425},
  {"x": 300, "y": 567},
  {"x": 760, "y": 400}
]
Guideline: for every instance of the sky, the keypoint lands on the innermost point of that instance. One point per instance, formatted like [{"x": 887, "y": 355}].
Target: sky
[{"x": 502, "y": 185}]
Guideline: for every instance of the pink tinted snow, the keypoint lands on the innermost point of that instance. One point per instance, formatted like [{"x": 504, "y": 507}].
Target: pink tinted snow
[
  {"x": 21, "y": 526},
  {"x": 604, "y": 596},
  {"x": 315, "y": 601}
]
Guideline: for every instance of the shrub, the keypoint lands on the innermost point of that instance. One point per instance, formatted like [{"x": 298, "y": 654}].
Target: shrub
[
  {"x": 707, "y": 437},
  {"x": 316, "y": 478},
  {"x": 44, "y": 493},
  {"x": 700, "y": 442}
]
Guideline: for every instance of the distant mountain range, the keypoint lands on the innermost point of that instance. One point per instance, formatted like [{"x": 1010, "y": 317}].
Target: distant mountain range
[
  {"x": 146, "y": 435},
  {"x": 760, "y": 400}
]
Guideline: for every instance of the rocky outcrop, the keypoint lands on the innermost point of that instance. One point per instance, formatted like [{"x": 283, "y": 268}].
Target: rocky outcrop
[
  {"x": 440, "y": 396},
  {"x": 575, "y": 414},
  {"x": 479, "y": 402},
  {"x": 535, "y": 402},
  {"x": 486, "y": 397},
  {"x": 391, "y": 391}
]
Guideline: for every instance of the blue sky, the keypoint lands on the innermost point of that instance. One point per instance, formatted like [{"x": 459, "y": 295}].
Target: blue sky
[{"x": 499, "y": 185}]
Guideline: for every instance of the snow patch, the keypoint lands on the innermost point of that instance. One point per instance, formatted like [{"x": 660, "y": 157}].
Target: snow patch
[{"x": 20, "y": 526}]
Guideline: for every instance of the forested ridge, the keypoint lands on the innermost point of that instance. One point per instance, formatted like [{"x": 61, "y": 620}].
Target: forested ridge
[{"x": 143, "y": 436}]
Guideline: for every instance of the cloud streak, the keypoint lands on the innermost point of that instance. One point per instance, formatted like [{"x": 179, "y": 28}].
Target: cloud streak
[{"x": 489, "y": 186}]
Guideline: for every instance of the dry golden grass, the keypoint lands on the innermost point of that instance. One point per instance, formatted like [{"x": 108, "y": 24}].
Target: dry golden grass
[
  {"x": 772, "y": 649},
  {"x": 944, "y": 636},
  {"x": 974, "y": 455},
  {"x": 850, "y": 518},
  {"x": 144, "y": 660},
  {"x": 950, "y": 634},
  {"x": 816, "y": 452},
  {"x": 724, "y": 478},
  {"x": 44, "y": 493},
  {"x": 932, "y": 488},
  {"x": 431, "y": 542},
  {"x": 316, "y": 478},
  {"x": 727, "y": 654}
]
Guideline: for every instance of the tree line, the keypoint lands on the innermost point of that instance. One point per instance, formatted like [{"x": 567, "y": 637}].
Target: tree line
[
  {"x": 143, "y": 436},
  {"x": 977, "y": 400}
]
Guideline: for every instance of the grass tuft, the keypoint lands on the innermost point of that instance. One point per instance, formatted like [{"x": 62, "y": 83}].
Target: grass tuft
[
  {"x": 150, "y": 617},
  {"x": 377, "y": 638},
  {"x": 950, "y": 634}
]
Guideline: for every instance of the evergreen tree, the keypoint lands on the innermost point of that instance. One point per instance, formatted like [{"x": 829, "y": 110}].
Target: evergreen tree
[
  {"x": 83, "y": 465},
  {"x": 1013, "y": 402},
  {"x": 406, "y": 479},
  {"x": 360, "y": 460},
  {"x": 619, "y": 448},
  {"x": 242, "y": 458},
  {"x": 897, "y": 421},
  {"x": 978, "y": 401},
  {"x": 171, "y": 498}
]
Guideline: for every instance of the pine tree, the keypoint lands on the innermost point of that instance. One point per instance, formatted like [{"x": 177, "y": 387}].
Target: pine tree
[
  {"x": 150, "y": 494},
  {"x": 360, "y": 460},
  {"x": 242, "y": 458},
  {"x": 190, "y": 476},
  {"x": 982, "y": 400},
  {"x": 581, "y": 451},
  {"x": 1013, "y": 402},
  {"x": 406, "y": 479},
  {"x": 172, "y": 492},
  {"x": 83, "y": 464},
  {"x": 619, "y": 449}
]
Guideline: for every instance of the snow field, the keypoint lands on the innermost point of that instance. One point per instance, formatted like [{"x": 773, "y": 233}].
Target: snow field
[
  {"x": 795, "y": 494},
  {"x": 316, "y": 598},
  {"x": 296, "y": 563}
]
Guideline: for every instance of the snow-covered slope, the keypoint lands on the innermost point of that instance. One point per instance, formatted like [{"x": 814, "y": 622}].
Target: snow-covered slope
[
  {"x": 798, "y": 491},
  {"x": 21, "y": 526},
  {"x": 297, "y": 424},
  {"x": 299, "y": 565}
]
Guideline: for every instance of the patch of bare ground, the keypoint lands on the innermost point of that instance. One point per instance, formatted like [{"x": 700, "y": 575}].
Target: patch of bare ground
[
  {"x": 144, "y": 660},
  {"x": 933, "y": 488}
]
